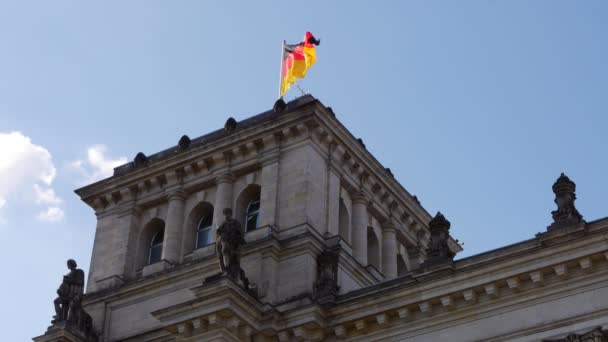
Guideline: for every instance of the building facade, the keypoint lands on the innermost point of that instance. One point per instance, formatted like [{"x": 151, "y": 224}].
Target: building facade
[{"x": 335, "y": 249}]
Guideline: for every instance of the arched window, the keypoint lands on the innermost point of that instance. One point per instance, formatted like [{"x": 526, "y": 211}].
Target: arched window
[
  {"x": 155, "y": 251},
  {"x": 251, "y": 214},
  {"x": 248, "y": 207},
  {"x": 203, "y": 231}
]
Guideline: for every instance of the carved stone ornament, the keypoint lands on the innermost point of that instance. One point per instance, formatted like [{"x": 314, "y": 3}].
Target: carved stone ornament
[
  {"x": 229, "y": 239},
  {"x": 566, "y": 213},
  {"x": 438, "y": 249},
  {"x": 140, "y": 160},
  {"x": 326, "y": 285},
  {"x": 230, "y": 125},
  {"x": 68, "y": 304},
  {"x": 184, "y": 142},
  {"x": 279, "y": 106},
  {"x": 595, "y": 335}
]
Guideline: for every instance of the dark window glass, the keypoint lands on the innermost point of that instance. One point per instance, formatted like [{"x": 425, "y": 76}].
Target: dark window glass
[
  {"x": 156, "y": 248},
  {"x": 251, "y": 219},
  {"x": 203, "y": 232}
]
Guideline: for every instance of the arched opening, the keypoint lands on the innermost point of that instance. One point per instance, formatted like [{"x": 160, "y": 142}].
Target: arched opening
[
  {"x": 199, "y": 228},
  {"x": 203, "y": 231},
  {"x": 151, "y": 243},
  {"x": 344, "y": 222},
  {"x": 401, "y": 267},
  {"x": 248, "y": 208},
  {"x": 373, "y": 249},
  {"x": 155, "y": 251}
]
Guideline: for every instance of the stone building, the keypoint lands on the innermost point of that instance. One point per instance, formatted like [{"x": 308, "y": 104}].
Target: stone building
[{"x": 336, "y": 249}]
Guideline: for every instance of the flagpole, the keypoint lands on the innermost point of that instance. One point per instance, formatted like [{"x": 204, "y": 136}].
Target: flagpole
[{"x": 281, "y": 69}]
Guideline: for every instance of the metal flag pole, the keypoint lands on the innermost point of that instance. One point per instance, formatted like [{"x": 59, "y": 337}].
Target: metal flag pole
[{"x": 281, "y": 69}]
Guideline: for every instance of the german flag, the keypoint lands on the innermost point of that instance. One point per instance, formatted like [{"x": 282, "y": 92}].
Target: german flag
[{"x": 297, "y": 59}]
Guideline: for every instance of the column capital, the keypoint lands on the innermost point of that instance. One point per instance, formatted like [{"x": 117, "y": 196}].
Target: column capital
[
  {"x": 177, "y": 194},
  {"x": 360, "y": 198},
  {"x": 389, "y": 226},
  {"x": 226, "y": 177}
]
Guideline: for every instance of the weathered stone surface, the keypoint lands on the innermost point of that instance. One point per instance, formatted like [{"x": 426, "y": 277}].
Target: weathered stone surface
[
  {"x": 566, "y": 213},
  {"x": 308, "y": 168}
]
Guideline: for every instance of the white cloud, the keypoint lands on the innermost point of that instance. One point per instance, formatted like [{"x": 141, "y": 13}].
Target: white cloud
[
  {"x": 51, "y": 214},
  {"x": 45, "y": 196},
  {"x": 97, "y": 166},
  {"x": 26, "y": 172}
]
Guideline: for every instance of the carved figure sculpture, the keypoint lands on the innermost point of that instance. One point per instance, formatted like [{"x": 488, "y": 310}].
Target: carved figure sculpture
[
  {"x": 229, "y": 239},
  {"x": 326, "y": 285},
  {"x": 68, "y": 304},
  {"x": 69, "y": 294}
]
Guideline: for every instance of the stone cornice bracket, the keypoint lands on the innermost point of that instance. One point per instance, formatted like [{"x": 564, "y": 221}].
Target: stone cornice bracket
[
  {"x": 566, "y": 214},
  {"x": 363, "y": 179},
  {"x": 228, "y": 157},
  {"x": 226, "y": 177}
]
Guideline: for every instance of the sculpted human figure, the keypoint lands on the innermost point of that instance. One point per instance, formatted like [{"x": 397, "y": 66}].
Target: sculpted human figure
[
  {"x": 229, "y": 238},
  {"x": 69, "y": 294}
]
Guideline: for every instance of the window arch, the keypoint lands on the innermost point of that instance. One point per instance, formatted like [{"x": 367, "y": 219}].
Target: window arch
[
  {"x": 248, "y": 207},
  {"x": 155, "y": 251},
  {"x": 150, "y": 245},
  {"x": 373, "y": 249},
  {"x": 204, "y": 232},
  {"x": 344, "y": 222},
  {"x": 199, "y": 228},
  {"x": 251, "y": 214}
]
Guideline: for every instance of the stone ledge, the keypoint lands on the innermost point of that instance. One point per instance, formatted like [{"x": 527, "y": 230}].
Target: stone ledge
[{"x": 155, "y": 268}]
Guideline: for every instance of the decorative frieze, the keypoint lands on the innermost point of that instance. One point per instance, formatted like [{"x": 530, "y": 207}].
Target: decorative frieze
[{"x": 468, "y": 296}]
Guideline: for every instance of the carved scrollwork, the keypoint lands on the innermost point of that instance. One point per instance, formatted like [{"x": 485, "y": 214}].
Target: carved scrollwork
[{"x": 595, "y": 335}]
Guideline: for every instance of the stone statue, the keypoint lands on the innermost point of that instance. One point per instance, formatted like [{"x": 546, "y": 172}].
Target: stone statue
[
  {"x": 68, "y": 304},
  {"x": 326, "y": 285},
  {"x": 438, "y": 250},
  {"x": 69, "y": 294},
  {"x": 229, "y": 239},
  {"x": 566, "y": 213}
]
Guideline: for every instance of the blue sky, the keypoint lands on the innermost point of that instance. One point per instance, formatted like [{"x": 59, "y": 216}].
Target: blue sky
[{"x": 476, "y": 106}]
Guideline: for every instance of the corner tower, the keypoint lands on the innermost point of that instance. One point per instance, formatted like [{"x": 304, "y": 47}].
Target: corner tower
[{"x": 299, "y": 183}]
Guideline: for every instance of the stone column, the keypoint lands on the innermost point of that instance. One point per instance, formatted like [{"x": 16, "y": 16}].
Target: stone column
[
  {"x": 359, "y": 227},
  {"x": 223, "y": 199},
  {"x": 389, "y": 250},
  {"x": 173, "y": 226}
]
